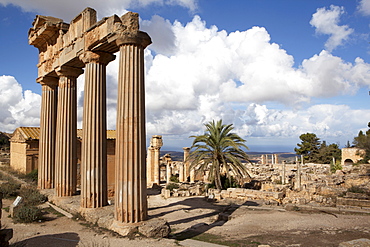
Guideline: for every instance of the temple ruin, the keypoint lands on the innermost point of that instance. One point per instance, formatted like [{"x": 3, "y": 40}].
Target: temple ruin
[{"x": 64, "y": 51}]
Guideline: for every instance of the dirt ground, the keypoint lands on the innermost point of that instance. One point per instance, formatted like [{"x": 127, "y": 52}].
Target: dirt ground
[{"x": 249, "y": 224}]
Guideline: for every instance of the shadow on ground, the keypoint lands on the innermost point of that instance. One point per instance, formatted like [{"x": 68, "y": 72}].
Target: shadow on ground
[
  {"x": 68, "y": 239},
  {"x": 221, "y": 214}
]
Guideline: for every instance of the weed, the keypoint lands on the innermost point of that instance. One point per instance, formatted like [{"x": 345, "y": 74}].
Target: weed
[
  {"x": 32, "y": 196},
  {"x": 172, "y": 186},
  {"x": 27, "y": 214},
  {"x": 356, "y": 189},
  {"x": 10, "y": 189},
  {"x": 32, "y": 176},
  {"x": 174, "y": 179}
]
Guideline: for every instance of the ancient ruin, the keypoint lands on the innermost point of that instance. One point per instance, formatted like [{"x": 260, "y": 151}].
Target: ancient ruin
[{"x": 64, "y": 51}]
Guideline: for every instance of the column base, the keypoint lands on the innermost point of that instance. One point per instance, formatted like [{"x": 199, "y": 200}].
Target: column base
[{"x": 153, "y": 228}]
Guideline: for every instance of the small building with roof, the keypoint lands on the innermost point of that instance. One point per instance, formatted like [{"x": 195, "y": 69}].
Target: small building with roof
[{"x": 24, "y": 152}]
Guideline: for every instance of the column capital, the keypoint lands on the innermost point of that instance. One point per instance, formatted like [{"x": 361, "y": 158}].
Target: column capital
[
  {"x": 136, "y": 38},
  {"x": 186, "y": 148},
  {"x": 68, "y": 71},
  {"x": 48, "y": 80},
  {"x": 96, "y": 57}
]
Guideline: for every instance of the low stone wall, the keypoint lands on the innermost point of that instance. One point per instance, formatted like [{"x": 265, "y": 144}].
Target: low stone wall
[
  {"x": 246, "y": 194},
  {"x": 353, "y": 202}
]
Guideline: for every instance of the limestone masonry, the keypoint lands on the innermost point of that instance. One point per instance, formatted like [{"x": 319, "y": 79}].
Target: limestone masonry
[{"x": 64, "y": 50}]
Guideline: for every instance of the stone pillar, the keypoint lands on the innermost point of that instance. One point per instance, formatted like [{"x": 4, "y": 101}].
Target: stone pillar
[
  {"x": 156, "y": 166},
  {"x": 186, "y": 162},
  {"x": 272, "y": 159},
  {"x": 276, "y": 158},
  {"x": 130, "y": 182},
  {"x": 192, "y": 175},
  {"x": 46, "y": 166},
  {"x": 149, "y": 166},
  {"x": 263, "y": 159},
  {"x": 283, "y": 173},
  {"x": 168, "y": 172},
  {"x": 66, "y": 132},
  {"x": 181, "y": 173},
  {"x": 299, "y": 174},
  {"x": 153, "y": 168},
  {"x": 94, "y": 191}
]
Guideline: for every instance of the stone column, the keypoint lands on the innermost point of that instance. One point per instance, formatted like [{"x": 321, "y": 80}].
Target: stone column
[
  {"x": 283, "y": 173},
  {"x": 130, "y": 182},
  {"x": 66, "y": 132},
  {"x": 263, "y": 159},
  {"x": 168, "y": 172},
  {"x": 156, "y": 166},
  {"x": 181, "y": 173},
  {"x": 149, "y": 166},
  {"x": 46, "y": 166},
  {"x": 276, "y": 159},
  {"x": 94, "y": 191},
  {"x": 272, "y": 159},
  {"x": 186, "y": 162},
  {"x": 192, "y": 175}
]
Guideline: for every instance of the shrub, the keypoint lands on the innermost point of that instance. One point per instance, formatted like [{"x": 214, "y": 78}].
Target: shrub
[
  {"x": 336, "y": 166},
  {"x": 10, "y": 189},
  {"x": 27, "y": 214},
  {"x": 356, "y": 189},
  {"x": 172, "y": 186},
  {"x": 33, "y": 175},
  {"x": 174, "y": 179},
  {"x": 32, "y": 196}
]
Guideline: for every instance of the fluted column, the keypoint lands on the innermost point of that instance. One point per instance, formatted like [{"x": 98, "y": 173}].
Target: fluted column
[
  {"x": 156, "y": 166},
  {"x": 94, "y": 191},
  {"x": 149, "y": 166},
  {"x": 168, "y": 172},
  {"x": 130, "y": 182},
  {"x": 181, "y": 173},
  {"x": 66, "y": 133},
  {"x": 186, "y": 162},
  {"x": 46, "y": 166}
]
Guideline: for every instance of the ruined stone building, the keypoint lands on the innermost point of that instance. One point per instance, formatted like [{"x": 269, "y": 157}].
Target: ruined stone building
[{"x": 86, "y": 45}]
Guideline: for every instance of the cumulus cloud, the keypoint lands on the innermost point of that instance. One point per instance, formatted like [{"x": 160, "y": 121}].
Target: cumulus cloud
[
  {"x": 63, "y": 9},
  {"x": 326, "y": 21},
  {"x": 211, "y": 74},
  {"x": 364, "y": 7},
  {"x": 17, "y": 108}
]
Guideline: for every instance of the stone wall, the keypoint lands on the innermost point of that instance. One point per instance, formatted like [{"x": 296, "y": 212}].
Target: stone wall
[{"x": 351, "y": 155}]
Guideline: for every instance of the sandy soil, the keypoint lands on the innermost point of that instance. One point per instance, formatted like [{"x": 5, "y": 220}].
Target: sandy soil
[{"x": 248, "y": 225}]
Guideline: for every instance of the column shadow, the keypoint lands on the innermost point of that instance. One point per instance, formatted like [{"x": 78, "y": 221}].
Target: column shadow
[
  {"x": 222, "y": 214},
  {"x": 67, "y": 239}
]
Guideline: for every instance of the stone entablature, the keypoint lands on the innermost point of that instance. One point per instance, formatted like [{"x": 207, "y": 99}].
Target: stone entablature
[{"x": 351, "y": 155}]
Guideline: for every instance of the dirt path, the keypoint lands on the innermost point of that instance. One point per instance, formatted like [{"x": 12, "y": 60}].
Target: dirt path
[{"x": 195, "y": 217}]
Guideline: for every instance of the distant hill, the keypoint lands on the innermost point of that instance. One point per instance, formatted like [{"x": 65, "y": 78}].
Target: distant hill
[{"x": 254, "y": 156}]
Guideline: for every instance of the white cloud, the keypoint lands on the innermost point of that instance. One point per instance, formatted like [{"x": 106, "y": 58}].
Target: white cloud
[
  {"x": 17, "y": 108},
  {"x": 326, "y": 22},
  {"x": 364, "y": 7}
]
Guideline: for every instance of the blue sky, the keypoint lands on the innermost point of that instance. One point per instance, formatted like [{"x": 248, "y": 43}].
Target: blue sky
[{"x": 275, "y": 69}]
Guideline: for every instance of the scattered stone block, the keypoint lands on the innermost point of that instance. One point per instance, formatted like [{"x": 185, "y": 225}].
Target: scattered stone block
[
  {"x": 155, "y": 228},
  {"x": 362, "y": 242}
]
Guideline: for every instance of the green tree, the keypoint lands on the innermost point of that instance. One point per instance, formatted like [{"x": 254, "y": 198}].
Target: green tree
[
  {"x": 363, "y": 141},
  {"x": 309, "y": 147},
  {"x": 219, "y": 151},
  {"x": 315, "y": 151}
]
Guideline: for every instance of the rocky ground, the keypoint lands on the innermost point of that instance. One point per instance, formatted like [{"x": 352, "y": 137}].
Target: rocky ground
[{"x": 247, "y": 224}]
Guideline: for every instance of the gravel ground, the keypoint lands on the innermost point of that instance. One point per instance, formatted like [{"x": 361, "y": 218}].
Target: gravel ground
[{"x": 195, "y": 217}]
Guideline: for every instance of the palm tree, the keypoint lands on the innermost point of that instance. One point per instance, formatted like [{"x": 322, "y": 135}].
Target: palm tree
[{"x": 218, "y": 149}]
